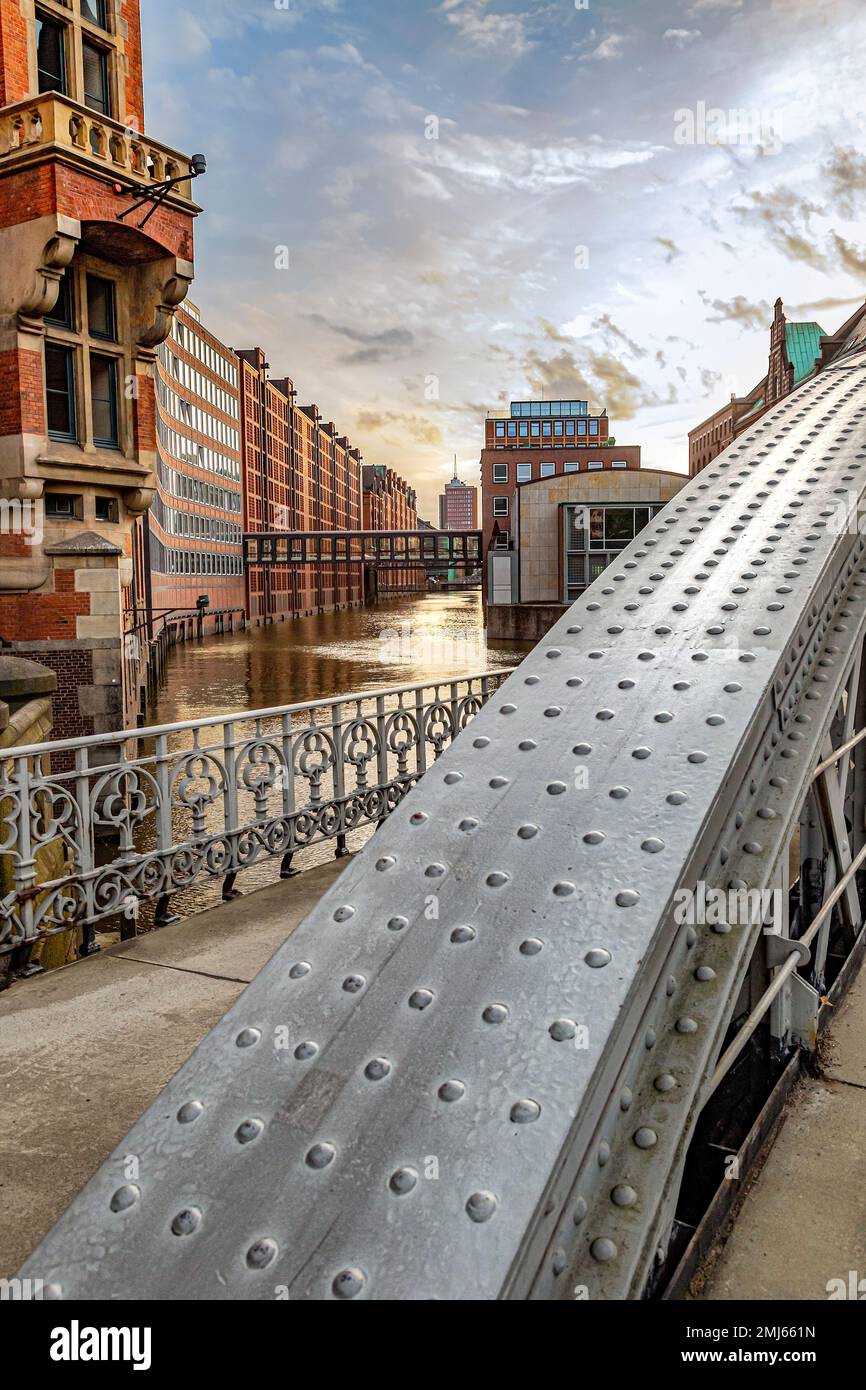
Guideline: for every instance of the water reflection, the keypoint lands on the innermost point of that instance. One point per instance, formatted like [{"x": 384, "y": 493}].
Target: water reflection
[{"x": 398, "y": 642}]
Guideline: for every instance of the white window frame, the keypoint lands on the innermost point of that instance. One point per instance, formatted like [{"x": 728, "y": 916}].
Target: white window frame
[{"x": 500, "y": 506}]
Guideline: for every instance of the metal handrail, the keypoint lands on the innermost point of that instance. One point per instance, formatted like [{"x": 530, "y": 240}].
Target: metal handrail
[{"x": 276, "y": 712}]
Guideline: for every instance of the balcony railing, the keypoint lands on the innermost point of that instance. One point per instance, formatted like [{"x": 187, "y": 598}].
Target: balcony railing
[
  {"x": 123, "y": 818},
  {"x": 53, "y": 120}
]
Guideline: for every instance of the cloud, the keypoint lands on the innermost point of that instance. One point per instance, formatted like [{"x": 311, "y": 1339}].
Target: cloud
[
  {"x": 849, "y": 256},
  {"x": 384, "y": 346},
  {"x": 607, "y": 326},
  {"x": 817, "y": 306},
  {"x": 515, "y": 164},
  {"x": 476, "y": 23},
  {"x": 670, "y": 246},
  {"x": 845, "y": 173},
  {"x": 737, "y": 310},
  {"x": 786, "y": 219},
  {"x": 713, "y": 6},
  {"x": 681, "y": 38},
  {"x": 609, "y": 49},
  {"x": 560, "y": 369},
  {"x": 709, "y": 380},
  {"x": 408, "y": 426}
]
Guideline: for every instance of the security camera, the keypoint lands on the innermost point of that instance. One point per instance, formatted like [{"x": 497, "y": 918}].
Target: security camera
[{"x": 198, "y": 164}]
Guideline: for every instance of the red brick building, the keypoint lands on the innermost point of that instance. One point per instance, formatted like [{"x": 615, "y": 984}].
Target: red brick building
[
  {"x": 795, "y": 349},
  {"x": 86, "y": 298},
  {"x": 458, "y": 505},
  {"x": 390, "y": 504},
  {"x": 541, "y": 439},
  {"x": 192, "y": 537},
  {"x": 298, "y": 474}
]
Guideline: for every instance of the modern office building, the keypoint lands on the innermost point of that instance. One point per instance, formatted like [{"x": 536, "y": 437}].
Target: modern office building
[
  {"x": 567, "y": 529},
  {"x": 541, "y": 439},
  {"x": 86, "y": 297},
  {"x": 458, "y": 505}
]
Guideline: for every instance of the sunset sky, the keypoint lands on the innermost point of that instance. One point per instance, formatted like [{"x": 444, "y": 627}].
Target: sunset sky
[{"x": 556, "y": 233}]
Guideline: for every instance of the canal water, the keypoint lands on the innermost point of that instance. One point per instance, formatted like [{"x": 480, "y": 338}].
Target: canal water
[
  {"x": 416, "y": 639},
  {"x": 402, "y": 641}
]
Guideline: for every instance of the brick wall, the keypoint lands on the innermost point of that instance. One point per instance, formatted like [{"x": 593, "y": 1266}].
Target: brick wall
[{"x": 14, "y": 63}]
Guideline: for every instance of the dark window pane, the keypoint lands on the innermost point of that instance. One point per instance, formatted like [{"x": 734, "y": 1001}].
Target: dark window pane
[
  {"x": 50, "y": 55},
  {"x": 61, "y": 314},
  {"x": 619, "y": 524},
  {"x": 94, "y": 10},
  {"x": 95, "y": 78},
  {"x": 103, "y": 393},
  {"x": 59, "y": 397},
  {"x": 100, "y": 307},
  {"x": 59, "y": 504}
]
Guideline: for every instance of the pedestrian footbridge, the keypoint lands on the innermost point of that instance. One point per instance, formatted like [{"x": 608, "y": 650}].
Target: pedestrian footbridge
[{"x": 480, "y": 1067}]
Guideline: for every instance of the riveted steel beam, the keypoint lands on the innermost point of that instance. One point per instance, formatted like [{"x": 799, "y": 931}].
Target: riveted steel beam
[{"x": 438, "y": 1084}]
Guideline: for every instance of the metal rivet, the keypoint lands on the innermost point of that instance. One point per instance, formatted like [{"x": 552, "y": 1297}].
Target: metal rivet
[
  {"x": 461, "y": 935},
  {"x": 402, "y": 1180},
  {"x": 189, "y": 1112},
  {"x": 645, "y": 1138},
  {"x": 186, "y": 1221},
  {"x": 480, "y": 1206},
  {"x": 125, "y": 1197},
  {"x": 451, "y": 1091},
  {"x": 597, "y": 958},
  {"x": 377, "y": 1069},
  {"x": 320, "y": 1156},
  {"x": 348, "y": 1283},
  {"x": 525, "y": 1112},
  {"x": 248, "y": 1130},
  {"x": 495, "y": 1013},
  {"x": 603, "y": 1250}
]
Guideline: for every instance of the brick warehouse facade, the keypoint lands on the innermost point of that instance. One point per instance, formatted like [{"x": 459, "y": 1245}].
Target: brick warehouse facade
[
  {"x": 191, "y": 540},
  {"x": 299, "y": 474},
  {"x": 541, "y": 439},
  {"x": 390, "y": 504},
  {"x": 86, "y": 298}
]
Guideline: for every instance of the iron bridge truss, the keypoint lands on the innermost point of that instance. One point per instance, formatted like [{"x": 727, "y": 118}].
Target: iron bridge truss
[
  {"x": 435, "y": 550},
  {"x": 474, "y": 1071}
]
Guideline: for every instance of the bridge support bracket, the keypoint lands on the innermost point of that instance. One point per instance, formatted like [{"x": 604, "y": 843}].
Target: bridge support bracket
[
  {"x": 778, "y": 948},
  {"x": 805, "y": 1007}
]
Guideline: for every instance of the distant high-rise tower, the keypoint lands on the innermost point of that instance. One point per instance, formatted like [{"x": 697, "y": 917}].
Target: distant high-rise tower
[{"x": 458, "y": 505}]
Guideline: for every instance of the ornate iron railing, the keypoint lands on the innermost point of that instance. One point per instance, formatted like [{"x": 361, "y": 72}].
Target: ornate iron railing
[{"x": 94, "y": 827}]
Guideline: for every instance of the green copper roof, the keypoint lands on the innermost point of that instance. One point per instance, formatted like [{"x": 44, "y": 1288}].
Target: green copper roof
[{"x": 803, "y": 343}]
